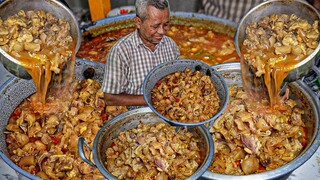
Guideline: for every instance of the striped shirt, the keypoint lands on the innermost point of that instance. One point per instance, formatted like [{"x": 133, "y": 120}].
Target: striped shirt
[
  {"x": 130, "y": 60},
  {"x": 233, "y": 10}
]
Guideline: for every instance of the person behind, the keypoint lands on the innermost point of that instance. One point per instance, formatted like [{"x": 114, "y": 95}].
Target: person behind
[
  {"x": 234, "y": 10},
  {"x": 133, "y": 56},
  {"x": 228, "y": 9},
  {"x": 315, "y": 3}
]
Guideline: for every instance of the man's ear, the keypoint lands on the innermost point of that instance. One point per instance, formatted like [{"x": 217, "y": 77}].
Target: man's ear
[{"x": 138, "y": 22}]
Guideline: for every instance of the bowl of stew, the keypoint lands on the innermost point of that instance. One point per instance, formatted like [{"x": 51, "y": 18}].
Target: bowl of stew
[
  {"x": 138, "y": 144},
  {"x": 253, "y": 139},
  {"x": 27, "y": 17},
  {"x": 55, "y": 138},
  {"x": 201, "y": 37},
  {"x": 185, "y": 92},
  {"x": 278, "y": 39},
  {"x": 253, "y": 142}
]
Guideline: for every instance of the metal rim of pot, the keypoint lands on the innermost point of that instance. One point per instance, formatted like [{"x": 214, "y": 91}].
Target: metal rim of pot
[
  {"x": 55, "y": 7},
  {"x": 304, "y": 87},
  {"x": 284, "y": 171},
  {"x": 96, "y": 149},
  {"x": 15, "y": 80},
  {"x": 170, "y": 67},
  {"x": 8, "y": 92},
  {"x": 267, "y": 8},
  {"x": 101, "y": 22},
  {"x": 15, "y": 90}
]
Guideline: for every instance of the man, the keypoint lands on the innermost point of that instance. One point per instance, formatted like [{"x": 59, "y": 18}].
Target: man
[{"x": 133, "y": 56}]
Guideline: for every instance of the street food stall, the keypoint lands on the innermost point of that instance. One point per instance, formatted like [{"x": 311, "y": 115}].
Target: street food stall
[{"x": 76, "y": 134}]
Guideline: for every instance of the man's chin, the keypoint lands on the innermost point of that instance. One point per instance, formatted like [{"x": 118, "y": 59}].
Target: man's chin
[{"x": 156, "y": 40}]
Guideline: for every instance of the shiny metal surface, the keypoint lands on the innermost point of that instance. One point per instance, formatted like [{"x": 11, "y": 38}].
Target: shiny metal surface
[
  {"x": 23, "y": 88},
  {"x": 15, "y": 90},
  {"x": 221, "y": 26},
  {"x": 131, "y": 119},
  {"x": 299, "y": 7},
  {"x": 59, "y": 10},
  {"x": 170, "y": 67},
  {"x": 306, "y": 99}
]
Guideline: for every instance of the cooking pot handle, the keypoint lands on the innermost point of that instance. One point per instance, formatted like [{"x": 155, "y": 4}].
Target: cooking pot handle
[
  {"x": 210, "y": 125},
  {"x": 316, "y": 70},
  {"x": 82, "y": 142}
]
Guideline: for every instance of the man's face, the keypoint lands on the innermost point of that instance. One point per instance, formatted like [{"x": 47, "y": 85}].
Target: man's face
[{"x": 155, "y": 26}]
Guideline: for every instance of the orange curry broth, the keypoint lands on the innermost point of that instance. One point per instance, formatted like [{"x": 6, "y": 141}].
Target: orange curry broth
[
  {"x": 39, "y": 69},
  {"x": 194, "y": 41},
  {"x": 203, "y": 52},
  {"x": 274, "y": 76}
]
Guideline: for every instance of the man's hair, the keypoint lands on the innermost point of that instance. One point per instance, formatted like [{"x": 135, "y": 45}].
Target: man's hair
[{"x": 142, "y": 5}]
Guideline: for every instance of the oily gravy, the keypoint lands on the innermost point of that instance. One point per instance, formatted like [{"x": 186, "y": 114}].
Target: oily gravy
[
  {"x": 42, "y": 44},
  {"x": 273, "y": 47},
  {"x": 205, "y": 40}
]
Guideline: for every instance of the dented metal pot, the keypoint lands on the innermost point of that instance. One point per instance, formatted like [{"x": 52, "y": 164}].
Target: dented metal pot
[
  {"x": 306, "y": 99},
  {"x": 59, "y": 10},
  {"x": 129, "y": 120}
]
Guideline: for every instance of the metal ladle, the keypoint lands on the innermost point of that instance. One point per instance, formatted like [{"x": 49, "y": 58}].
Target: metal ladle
[{"x": 55, "y": 7}]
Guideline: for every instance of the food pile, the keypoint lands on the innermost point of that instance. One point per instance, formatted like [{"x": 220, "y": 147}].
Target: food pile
[
  {"x": 204, "y": 40},
  {"x": 46, "y": 144},
  {"x": 252, "y": 138},
  {"x": 186, "y": 96},
  {"x": 278, "y": 40},
  {"x": 41, "y": 43},
  {"x": 36, "y": 33},
  {"x": 273, "y": 47},
  {"x": 153, "y": 151}
]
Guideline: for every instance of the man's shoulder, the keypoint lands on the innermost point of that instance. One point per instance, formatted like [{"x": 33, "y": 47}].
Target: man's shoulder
[
  {"x": 168, "y": 41},
  {"x": 124, "y": 41},
  {"x": 124, "y": 46}
]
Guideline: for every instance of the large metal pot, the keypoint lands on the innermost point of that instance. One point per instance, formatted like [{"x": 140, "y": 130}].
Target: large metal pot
[
  {"x": 129, "y": 120},
  {"x": 124, "y": 24},
  {"x": 299, "y": 7},
  {"x": 15, "y": 90},
  {"x": 221, "y": 25},
  {"x": 58, "y": 9},
  {"x": 306, "y": 99}
]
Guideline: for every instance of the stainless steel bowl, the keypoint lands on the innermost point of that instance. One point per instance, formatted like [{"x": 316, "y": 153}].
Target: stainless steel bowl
[
  {"x": 129, "y": 120},
  {"x": 59, "y": 10},
  {"x": 15, "y": 90},
  {"x": 306, "y": 99},
  {"x": 170, "y": 67},
  {"x": 299, "y": 7}
]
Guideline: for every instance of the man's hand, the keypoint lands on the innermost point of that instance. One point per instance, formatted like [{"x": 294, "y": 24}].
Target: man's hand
[{"x": 124, "y": 100}]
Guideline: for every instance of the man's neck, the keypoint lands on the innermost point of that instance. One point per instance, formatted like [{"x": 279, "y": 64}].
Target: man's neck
[{"x": 150, "y": 45}]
